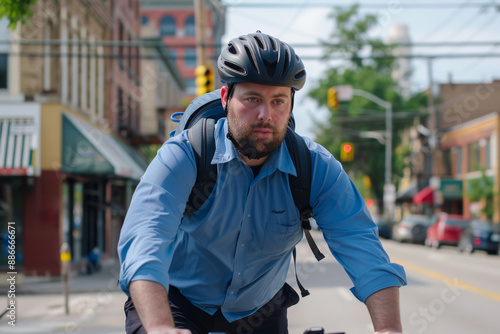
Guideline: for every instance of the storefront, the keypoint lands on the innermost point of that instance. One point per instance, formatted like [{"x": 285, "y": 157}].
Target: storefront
[
  {"x": 62, "y": 179},
  {"x": 19, "y": 167}
]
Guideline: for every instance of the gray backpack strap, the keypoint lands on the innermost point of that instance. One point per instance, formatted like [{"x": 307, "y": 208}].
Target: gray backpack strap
[{"x": 201, "y": 137}]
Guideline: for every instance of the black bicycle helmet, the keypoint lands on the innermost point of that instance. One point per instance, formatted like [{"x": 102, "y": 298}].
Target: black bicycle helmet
[{"x": 261, "y": 59}]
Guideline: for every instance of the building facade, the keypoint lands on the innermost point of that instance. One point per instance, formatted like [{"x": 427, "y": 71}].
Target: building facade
[
  {"x": 71, "y": 93},
  {"x": 174, "y": 23}
]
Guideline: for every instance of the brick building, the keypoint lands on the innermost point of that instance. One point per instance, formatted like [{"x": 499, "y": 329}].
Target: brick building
[
  {"x": 70, "y": 123},
  {"x": 174, "y": 23}
]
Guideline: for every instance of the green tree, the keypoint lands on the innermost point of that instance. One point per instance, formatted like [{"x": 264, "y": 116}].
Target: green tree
[
  {"x": 482, "y": 189},
  {"x": 351, "y": 38},
  {"x": 16, "y": 11}
]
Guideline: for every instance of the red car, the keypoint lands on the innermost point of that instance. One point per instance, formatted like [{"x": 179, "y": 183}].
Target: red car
[{"x": 446, "y": 231}]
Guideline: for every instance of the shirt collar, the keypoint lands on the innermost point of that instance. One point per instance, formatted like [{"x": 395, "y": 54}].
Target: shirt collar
[{"x": 225, "y": 152}]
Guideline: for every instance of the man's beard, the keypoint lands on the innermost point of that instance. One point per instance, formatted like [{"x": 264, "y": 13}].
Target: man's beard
[{"x": 250, "y": 147}]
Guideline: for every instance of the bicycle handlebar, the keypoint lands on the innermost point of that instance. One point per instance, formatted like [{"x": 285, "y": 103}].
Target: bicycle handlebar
[{"x": 312, "y": 330}]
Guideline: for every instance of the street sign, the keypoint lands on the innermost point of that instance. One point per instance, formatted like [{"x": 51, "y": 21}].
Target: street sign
[
  {"x": 389, "y": 194},
  {"x": 344, "y": 92}
]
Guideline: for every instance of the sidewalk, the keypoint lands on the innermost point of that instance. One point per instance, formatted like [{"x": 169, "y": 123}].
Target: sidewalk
[{"x": 104, "y": 280}]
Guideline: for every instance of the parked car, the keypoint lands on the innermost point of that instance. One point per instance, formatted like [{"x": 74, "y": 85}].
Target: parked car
[
  {"x": 446, "y": 231},
  {"x": 480, "y": 235},
  {"x": 384, "y": 227},
  {"x": 412, "y": 228}
]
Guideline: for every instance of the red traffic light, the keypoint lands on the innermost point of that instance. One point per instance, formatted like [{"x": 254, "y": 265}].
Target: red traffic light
[{"x": 347, "y": 152}]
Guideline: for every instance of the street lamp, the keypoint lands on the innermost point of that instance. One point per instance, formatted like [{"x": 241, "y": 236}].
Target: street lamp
[{"x": 345, "y": 93}]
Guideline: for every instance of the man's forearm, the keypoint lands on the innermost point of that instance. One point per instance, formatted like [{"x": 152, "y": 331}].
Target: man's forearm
[
  {"x": 151, "y": 302},
  {"x": 383, "y": 307}
]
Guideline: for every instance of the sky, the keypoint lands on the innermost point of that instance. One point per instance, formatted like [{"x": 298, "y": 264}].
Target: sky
[{"x": 307, "y": 23}]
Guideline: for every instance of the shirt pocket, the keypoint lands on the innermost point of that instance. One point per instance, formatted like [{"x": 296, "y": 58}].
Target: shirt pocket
[{"x": 281, "y": 236}]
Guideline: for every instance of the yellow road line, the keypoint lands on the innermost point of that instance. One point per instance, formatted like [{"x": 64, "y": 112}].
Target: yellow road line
[{"x": 455, "y": 282}]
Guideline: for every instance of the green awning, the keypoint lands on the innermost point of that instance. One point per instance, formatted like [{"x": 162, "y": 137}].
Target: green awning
[
  {"x": 89, "y": 150},
  {"x": 451, "y": 189}
]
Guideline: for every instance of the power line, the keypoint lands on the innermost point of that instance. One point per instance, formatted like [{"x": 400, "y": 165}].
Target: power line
[
  {"x": 446, "y": 21},
  {"x": 145, "y": 43},
  {"x": 193, "y": 57},
  {"x": 414, "y": 5}
]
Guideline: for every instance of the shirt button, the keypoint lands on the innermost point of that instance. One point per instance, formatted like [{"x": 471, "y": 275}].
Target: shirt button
[
  {"x": 239, "y": 274},
  {"x": 242, "y": 245},
  {"x": 232, "y": 292},
  {"x": 249, "y": 215}
]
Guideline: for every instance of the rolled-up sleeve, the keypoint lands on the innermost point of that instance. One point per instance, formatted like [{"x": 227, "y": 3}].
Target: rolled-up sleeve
[
  {"x": 348, "y": 228},
  {"x": 146, "y": 240}
]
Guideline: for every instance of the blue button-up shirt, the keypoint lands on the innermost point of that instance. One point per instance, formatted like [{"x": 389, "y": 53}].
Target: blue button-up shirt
[{"x": 234, "y": 253}]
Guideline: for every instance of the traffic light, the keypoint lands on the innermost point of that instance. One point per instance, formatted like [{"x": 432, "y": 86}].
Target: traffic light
[
  {"x": 347, "y": 152},
  {"x": 332, "y": 98},
  {"x": 205, "y": 79}
]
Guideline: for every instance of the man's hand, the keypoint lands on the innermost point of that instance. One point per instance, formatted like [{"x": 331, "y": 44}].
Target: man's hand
[
  {"x": 170, "y": 331},
  {"x": 383, "y": 307},
  {"x": 151, "y": 302}
]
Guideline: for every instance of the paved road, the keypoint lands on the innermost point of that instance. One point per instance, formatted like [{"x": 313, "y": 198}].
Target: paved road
[{"x": 447, "y": 292}]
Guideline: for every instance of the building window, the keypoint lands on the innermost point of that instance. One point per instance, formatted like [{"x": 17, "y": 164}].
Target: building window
[
  {"x": 4, "y": 74},
  {"x": 190, "y": 87},
  {"x": 458, "y": 160},
  {"x": 167, "y": 26},
  {"x": 488, "y": 153},
  {"x": 189, "y": 27},
  {"x": 447, "y": 162},
  {"x": 173, "y": 54},
  {"x": 121, "y": 48},
  {"x": 474, "y": 161},
  {"x": 144, "y": 20},
  {"x": 190, "y": 57}
]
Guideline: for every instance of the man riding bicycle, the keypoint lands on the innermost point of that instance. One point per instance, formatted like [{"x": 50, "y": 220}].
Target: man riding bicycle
[{"x": 224, "y": 267}]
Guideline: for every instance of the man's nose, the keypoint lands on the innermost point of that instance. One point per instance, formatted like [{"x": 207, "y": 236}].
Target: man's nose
[{"x": 264, "y": 112}]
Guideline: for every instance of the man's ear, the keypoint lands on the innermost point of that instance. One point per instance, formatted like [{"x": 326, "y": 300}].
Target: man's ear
[{"x": 223, "y": 95}]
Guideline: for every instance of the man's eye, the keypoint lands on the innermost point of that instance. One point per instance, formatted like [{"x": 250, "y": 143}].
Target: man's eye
[
  {"x": 252, "y": 99},
  {"x": 279, "y": 102}
]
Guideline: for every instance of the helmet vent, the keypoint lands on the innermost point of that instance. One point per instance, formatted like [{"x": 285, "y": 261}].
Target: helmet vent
[
  {"x": 300, "y": 75},
  {"x": 235, "y": 67},
  {"x": 287, "y": 61},
  {"x": 251, "y": 58},
  {"x": 270, "y": 67},
  {"x": 232, "y": 49},
  {"x": 259, "y": 42},
  {"x": 273, "y": 44}
]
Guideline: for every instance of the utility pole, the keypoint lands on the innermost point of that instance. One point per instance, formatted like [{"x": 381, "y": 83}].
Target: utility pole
[
  {"x": 345, "y": 93},
  {"x": 433, "y": 139},
  {"x": 199, "y": 19}
]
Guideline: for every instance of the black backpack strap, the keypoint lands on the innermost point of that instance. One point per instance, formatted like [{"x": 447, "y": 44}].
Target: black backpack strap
[
  {"x": 201, "y": 137},
  {"x": 303, "y": 290},
  {"x": 300, "y": 185}
]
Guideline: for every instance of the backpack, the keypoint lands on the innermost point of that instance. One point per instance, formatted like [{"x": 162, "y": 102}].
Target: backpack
[{"x": 200, "y": 118}]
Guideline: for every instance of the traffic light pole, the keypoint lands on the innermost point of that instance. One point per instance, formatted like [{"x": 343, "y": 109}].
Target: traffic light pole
[
  {"x": 199, "y": 13},
  {"x": 389, "y": 189}
]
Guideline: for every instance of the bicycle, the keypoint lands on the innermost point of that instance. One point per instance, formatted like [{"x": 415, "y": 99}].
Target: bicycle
[
  {"x": 319, "y": 330},
  {"x": 312, "y": 330}
]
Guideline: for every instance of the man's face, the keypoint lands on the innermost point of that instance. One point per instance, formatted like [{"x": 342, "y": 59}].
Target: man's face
[{"x": 257, "y": 118}]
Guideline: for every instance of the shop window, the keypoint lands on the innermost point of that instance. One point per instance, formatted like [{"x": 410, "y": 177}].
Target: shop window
[
  {"x": 11, "y": 221},
  {"x": 447, "y": 162},
  {"x": 167, "y": 26},
  {"x": 3, "y": 71},
  {"x": 458, "y": 160},
  {"x": 474, "y": 161},
  {"x": 189, "y": 26},
  {"x": 488, "y": 153}
]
